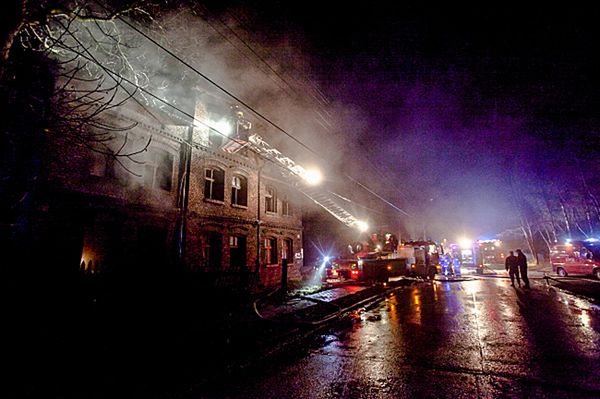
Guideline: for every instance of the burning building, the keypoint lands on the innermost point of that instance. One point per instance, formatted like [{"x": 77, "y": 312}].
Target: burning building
[
  {"x": 191, "y": 197},
  {"x": 147, "y": 169}
]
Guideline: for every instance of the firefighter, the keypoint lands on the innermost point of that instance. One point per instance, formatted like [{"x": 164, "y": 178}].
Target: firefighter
[
  {"x": 522, "y": 263},
  {"x": 512, "y": 268}
]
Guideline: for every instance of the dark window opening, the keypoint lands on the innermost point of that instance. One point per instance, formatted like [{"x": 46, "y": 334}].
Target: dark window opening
[
  {"x": 271, "y": 200},
  {"x": 212, "y": 251},
  {"x": 239, "y": 191},
  {"x": 285, "y": 206},
  {"x": 237, "y": 252},
  {"x": 105, "y": 166},
  {"x": 158, "y": 170},
  {"x": 214, "y": 184}
]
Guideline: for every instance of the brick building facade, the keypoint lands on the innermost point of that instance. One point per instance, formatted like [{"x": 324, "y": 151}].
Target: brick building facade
[{"x": 219, "y": 213}]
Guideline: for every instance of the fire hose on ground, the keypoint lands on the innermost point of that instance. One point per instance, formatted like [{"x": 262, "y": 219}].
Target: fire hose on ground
[{"x": 334, "y": 315}]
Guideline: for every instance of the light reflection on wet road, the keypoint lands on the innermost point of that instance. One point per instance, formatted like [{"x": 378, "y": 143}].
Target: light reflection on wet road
[{"x": 478, "y": 338}]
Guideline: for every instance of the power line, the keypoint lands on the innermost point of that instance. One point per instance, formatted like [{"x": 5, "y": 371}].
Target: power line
[
  {"x": 115, "y": 76},
  {"x": 195, "y": 70},
  {"x": 378, "y": 196},
  {"x": 112, "y": 75},
  {"x": 356, "y": 203},
  {"x": 247, "y": 57},
  {"x": 377, "y": 170},
  {"x": 251, "y": 109},
  {"x": 319, "y": 98},
  {"x": 312, "y": 86}
]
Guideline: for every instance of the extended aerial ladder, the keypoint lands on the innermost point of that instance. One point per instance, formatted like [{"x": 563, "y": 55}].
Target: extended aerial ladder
[
  {"x": 318, "y": 195},
  {"x": 243, "y": 138}
]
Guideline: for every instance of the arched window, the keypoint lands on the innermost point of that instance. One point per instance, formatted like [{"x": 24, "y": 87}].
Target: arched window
[
  {"x": 271, "y": 199},
  {"x": 214, "y": 184},
  {"x": 239, "y": 190}
]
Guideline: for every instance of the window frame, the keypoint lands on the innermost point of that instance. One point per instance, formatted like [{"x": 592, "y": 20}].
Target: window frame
[
  {"x": 271, "y": 199},
  {"x": 212, "y": 184},
  {"x": 285, "y": 206},
  {"x": 153, "y": 170},
  {"x": 287, "y": 251},
  {"x": 270, "y": 250},
  {"x": 239, "y": 196}
]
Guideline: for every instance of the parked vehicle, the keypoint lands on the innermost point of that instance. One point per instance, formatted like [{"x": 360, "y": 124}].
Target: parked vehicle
[
  {"x": 573, "y": 259},
  {"x": 340, "y": 268},
  {"x": 382, "y": 257},
  {"x": 412, "y": 258},
  {"x": 492, "y": 252},
  {"x": 468, "y": 256},
  {"x": 379, "y": 270},
  {"x": 423, "y": 257}
]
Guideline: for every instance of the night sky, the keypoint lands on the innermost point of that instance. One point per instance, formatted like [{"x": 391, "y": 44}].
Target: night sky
[{"x": 449, "y": 98}]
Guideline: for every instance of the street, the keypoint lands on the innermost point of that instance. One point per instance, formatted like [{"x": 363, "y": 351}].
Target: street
[
  {"x": 475, "y": 338},
  {"x": 588, "y": 287},
  {"x": 269, "y": 199}
]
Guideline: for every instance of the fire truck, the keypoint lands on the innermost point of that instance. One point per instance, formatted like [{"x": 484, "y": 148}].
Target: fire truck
[
  {"x": 492, "y": 252},
  {"x": 411, "y": 258},
  {"x": 423, "y": 257},
  {"x": 466, "y": 256}
]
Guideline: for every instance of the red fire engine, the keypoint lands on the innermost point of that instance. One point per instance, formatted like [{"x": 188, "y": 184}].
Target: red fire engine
[{"x": 378, "y": 261}]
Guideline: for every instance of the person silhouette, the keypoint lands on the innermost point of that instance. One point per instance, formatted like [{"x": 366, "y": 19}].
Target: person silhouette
[
  {"x": 522, "y": 263},
  {"x": 512, "y": 268}
]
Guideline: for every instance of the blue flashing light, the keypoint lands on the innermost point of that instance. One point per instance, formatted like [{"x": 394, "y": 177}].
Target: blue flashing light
[{"x": 591, "y": 239}]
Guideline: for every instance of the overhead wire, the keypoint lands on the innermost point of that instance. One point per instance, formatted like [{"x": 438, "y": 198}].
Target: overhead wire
[
  {"x": 242, "y": 102},
  {"x": 381, "y": 172},
  {"x": 292, "y": 92},
  {"x": 318, "y": 99},
  {"x": 313, "y": 88},
  {"x": 324, "y": 100},
  {"x": 207, "y": 20},
  {"x": 211, "y": 81},
  {"x": 116, "y": 76}
]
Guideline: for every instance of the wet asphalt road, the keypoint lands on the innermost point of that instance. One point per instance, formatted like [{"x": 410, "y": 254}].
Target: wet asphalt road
[
  {"x": 469, "y": 339},
  {"x": 580, "y": 285}
]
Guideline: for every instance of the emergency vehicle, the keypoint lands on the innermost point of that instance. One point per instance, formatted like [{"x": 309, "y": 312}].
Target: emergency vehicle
[
  {"x": 411, "y": 258},
  {"x": 492, "y": 252},
  {"x": 467, "y": 255},
  {"x": 574, "y": 259}
]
